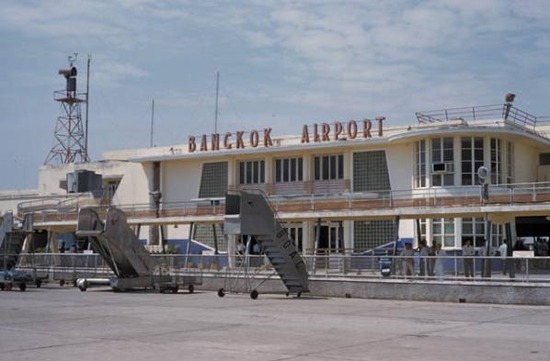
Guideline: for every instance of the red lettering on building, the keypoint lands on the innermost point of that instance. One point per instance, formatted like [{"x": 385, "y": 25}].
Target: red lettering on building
[
  {"x": 326, "y": 131},
  {"x": 320, "y": 133},
  {"x": 305, "y": 135},
  {"x": 215, "y": 142},
  {"x": 239, "y": 141},
  {"x": 316, "y": 137},
  {"x": 352, "y": 129},
  {"x": 267, "y": 138},
  {"x": 367, "y": 125},
  {"x": 380, "y": 128},
  {"x": 192, "y": 146},
  {"x": 204, "y": 143},
  {"x": 254, "y": 138},
  {"x": 338, "y": 129},
  {"x": 226, "y": 143}
]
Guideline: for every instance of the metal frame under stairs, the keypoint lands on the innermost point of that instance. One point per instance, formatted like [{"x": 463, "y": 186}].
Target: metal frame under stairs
[
  {"x": 117, "y": 243},
  {"x": 249, "y": 213}
]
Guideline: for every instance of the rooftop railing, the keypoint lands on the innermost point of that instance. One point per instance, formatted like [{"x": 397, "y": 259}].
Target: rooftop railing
[{"x": 483, "y": 112}]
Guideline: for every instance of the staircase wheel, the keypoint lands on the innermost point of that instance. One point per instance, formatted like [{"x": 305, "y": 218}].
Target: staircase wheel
[
  {"x": 191, "y": 288},
  {"x": 253, "y": 294},
  {"x": 221, "y": 292}
]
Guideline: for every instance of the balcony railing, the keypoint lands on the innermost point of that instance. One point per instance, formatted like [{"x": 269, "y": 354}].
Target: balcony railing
[{"x": 448, "y": 197}]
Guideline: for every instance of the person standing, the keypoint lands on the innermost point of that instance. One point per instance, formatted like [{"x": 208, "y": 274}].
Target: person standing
[
  {"x": 408, "y": 260},
  {"x": 424, "y": 251},
  {"x": 468, "y": 252},
  {"x": 439, "y": 268}
]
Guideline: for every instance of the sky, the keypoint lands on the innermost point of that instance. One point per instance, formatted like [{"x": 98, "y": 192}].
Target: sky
[{"x": 281, "y": 64}]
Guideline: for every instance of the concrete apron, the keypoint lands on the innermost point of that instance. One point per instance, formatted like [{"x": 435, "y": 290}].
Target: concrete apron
[{"x": 517, "y": 292}]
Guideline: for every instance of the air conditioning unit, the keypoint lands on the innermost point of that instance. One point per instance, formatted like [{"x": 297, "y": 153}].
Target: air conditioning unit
[{"x": 441, "y": 167}]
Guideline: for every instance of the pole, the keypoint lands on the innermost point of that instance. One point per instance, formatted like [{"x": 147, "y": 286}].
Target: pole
[
  {"x": 216, "y": 111},
  {"x": 152, "y": 122},
  {"x": 86, "y": 155}
]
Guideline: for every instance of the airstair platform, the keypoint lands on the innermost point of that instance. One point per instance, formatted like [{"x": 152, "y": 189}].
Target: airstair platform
[{"x": 248, "y": 213}]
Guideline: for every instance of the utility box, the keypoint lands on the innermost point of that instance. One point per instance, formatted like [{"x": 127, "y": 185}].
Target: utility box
[{"x": 81, "y": 181}]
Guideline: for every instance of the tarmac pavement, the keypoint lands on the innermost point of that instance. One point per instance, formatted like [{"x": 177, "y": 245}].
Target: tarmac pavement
[{"x": 63, "y": 324}]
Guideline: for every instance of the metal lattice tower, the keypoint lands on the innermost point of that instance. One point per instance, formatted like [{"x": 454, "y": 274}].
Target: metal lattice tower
[{"x": 70, "y": 139}]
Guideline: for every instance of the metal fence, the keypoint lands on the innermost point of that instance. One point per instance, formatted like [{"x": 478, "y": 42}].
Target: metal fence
[{"x": 67, "y": 267}]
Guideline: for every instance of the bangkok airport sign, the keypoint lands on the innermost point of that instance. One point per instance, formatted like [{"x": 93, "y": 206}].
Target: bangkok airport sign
[{"x": 317, "y": 133}]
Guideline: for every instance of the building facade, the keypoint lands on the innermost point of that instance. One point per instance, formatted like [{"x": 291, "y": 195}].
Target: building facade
[{"x": 340, "y": 187}]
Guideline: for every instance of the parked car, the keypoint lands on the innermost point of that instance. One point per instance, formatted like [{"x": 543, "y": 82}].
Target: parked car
[{"x": 9, "y": 278}]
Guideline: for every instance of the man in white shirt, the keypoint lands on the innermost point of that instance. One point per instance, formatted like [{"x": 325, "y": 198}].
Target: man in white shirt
[{"x": 503, "y": 251}]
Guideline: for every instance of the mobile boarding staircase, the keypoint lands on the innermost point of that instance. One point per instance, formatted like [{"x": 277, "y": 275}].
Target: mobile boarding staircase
[
  {"x": 123, "y": 252},
  {"x": 249, "y": 213},
  {"x": 12, "y": 237},
  {"x": 11, "y": 240}
]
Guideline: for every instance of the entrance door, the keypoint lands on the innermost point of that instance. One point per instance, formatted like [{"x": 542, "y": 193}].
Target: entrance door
[{"x": 331, "y": 238}]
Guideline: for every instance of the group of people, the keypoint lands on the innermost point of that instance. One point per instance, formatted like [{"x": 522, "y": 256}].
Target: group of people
[{"x": 430, "y": 260}]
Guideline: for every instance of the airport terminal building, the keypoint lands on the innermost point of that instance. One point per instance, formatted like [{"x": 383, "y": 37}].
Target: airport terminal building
[{"x": 345, "y": 186}]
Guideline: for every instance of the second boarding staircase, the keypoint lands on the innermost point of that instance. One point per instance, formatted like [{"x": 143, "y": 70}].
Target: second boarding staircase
[
  {"x": 119, "y": 246},
  {"x": 249, "y": 213},
  {"x": 12, "y": 238}
]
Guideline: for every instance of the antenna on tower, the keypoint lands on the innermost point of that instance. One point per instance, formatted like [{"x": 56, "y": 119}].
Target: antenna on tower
[{"x": 70, "y": 145}]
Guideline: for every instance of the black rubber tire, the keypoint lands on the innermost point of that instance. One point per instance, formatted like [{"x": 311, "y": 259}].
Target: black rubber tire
[
  {"x": 254, "y": 294},
  {"x": 191, "y": 288},
  {"x": 83, "y": 287},
  {"x": 62, "y": 283},
  {"x": 175, "y": 289},
  {"x": 38, "y": 283},
  {"x": 22, "y": 286},
  {"x": 221, "y": 292},
  {"x": 298, "y": 294}
]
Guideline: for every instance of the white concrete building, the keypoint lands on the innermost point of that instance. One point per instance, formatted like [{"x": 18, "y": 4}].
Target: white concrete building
[{"x": 342, "y": 186}]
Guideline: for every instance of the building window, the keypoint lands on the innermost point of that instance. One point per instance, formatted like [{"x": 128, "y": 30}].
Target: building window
[
  {"x": 370, "y": 172},
  {"x": 442, "y": 162},
  {"x": 509, "y": 162},
  {"x": 111, "y": 188},
  {"x": 213, "y": 180},
  {"x": 289, "y": 170},
  {"x": 328, "y": 167},
  {"x": 296, "y": 233},
  {"x": 252, "y": 172},
  {"x": 443, "y": 232},
  {"x": 473, "y": 229},
  {"x": 472, "y": 159},
  {"x": 420, "y": 164},
  {"x": 371, "y": 234},
  {"x": 496, "y": 161}
]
